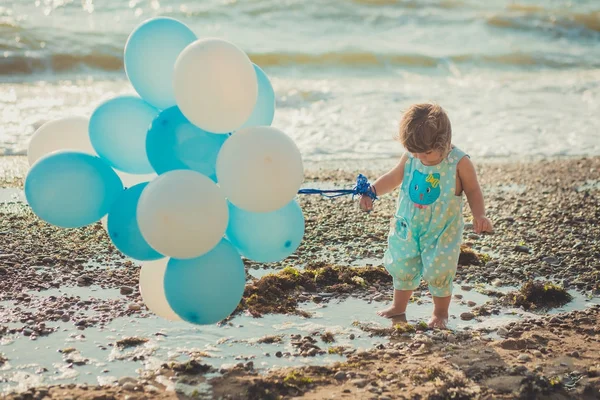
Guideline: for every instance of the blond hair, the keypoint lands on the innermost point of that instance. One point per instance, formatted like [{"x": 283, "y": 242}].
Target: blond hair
[{"x": 425, "y": 127}]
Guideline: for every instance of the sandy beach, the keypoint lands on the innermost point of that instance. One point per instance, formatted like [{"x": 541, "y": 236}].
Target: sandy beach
[
  {"x": 520, "y": 82},
  {"x": 73, "y": 283}
]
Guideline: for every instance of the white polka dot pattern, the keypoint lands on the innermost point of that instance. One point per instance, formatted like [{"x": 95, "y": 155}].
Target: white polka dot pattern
[{"x": 429, "y": 245}]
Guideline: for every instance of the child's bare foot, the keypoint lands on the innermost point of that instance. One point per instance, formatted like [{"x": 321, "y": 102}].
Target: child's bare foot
[
  {"x": 438, "y": 321},
  {"x": 398, "y": 306},
  {"x": 391, "y": 312}
]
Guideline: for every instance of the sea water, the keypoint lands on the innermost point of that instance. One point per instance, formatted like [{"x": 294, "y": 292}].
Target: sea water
[{"x": 518, "y": 79}]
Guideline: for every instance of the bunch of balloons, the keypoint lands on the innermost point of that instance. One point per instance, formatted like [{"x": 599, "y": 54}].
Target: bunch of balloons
[{"x": 207, "y": 179}]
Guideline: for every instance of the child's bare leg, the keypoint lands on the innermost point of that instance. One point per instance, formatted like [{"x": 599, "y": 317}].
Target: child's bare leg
[
  {"x": 401, "y": 298},
  {"x": 439, "y": 319}
]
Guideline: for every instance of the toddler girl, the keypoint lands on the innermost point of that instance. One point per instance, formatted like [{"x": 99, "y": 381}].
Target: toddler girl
[{"x": 426, "y": 232}]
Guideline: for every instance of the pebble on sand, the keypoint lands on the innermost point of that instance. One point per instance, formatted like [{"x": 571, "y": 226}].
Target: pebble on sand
[
  {"x": 467, "y": 316},
  {"x": 524, "y": 357},
  {"x": 126, "y": 290}
]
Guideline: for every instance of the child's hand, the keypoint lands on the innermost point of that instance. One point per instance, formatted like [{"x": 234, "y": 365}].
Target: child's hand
[
  {"x": 482, "y": 224},
  {"x": 366, "y": 203}
]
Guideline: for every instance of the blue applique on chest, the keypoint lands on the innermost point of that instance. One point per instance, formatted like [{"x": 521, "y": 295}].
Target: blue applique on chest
[{"x": 424, "y": 188}]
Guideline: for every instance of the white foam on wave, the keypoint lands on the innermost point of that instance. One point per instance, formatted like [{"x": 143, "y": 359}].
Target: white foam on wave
[{"x": 511, "y": 114}]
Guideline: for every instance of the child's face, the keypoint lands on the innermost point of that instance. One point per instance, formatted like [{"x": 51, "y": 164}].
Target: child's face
[{"x": 431, "y": 157}]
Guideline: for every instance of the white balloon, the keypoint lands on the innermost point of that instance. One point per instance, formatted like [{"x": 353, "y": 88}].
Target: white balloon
[
  {"x": 182, "y": 214},
  {"x": 104, "y": 222},
  {"x": 69, "y": 133},
  {"x": 260, "y": 169},
  {"x": 215, "y": 85},
  {"x": 152, "y": 289}
]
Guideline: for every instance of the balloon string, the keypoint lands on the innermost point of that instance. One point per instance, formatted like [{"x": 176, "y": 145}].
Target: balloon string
[{"x": 363, "y": 187}]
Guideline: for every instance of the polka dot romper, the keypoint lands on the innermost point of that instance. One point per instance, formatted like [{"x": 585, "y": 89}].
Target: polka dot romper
[{"x": 426, "y": 233}]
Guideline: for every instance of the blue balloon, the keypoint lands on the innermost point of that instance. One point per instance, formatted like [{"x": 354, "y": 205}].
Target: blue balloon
[
  {"x": 118, "y": 129},
  {"x": 264, "y": 110},
  {"x": 123, "y": 227},
  {"x": 173, "y": 142},
  {"x": 266, "y": 237},
  {"x": 71, "y": 189},
  {"x": 207, "y": 289},
  {"x": 150, "y": 54}
]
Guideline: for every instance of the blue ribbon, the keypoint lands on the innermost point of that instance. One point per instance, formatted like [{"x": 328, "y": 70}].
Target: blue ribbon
[{"x": 363, "y": 187}]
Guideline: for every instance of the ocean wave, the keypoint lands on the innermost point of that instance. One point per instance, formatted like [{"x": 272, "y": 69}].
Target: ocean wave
[
  {"x": 26, "y": 64},
  {"x": 369, "y": 59},
  {"x": 413, "y": 3},
  {"x": 537, "y": 18},
  {"x": 315, "y": 9},
  {"x": 357, "y": 59},
  {"x": 8, "y": 26}
]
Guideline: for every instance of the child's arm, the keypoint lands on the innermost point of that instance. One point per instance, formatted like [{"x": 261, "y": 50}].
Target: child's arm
[
  {"x": 392, "y": 179},
  {"x": 470, "y": 185},
  {"x": 385, "y": 183}
]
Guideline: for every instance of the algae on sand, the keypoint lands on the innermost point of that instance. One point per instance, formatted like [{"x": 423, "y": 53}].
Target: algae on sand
[
  {"x": 270, "y": 339},
  {"x": 468, "y": 256},
  {"x": 394, "y": 331},
  {"x": 428, "y": 374},
  {"x": 328, "y": 337},
  {"x": 285, "y": 384},
  {"x": 337, "y": 350},
  {"x": 130, "y": 342},
  {"x": 539, "y": 295},
  {"x": 295, "y": 378},
  {"x": 191, "y": 367},
  {"x": 278, "y": 292}
]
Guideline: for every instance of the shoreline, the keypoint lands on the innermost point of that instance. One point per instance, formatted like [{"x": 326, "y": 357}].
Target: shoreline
[
  {"x": 13, "y": 168},
  {"x": 547, "y": 226}
]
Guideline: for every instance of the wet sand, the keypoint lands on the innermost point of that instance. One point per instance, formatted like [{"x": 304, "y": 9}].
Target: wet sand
[{"x": 546, "y": 218}]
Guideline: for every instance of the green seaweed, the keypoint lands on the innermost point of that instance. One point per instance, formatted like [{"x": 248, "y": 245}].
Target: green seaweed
[
  {"x": 468, "y": 256},
  {"x": 297, "y": 379},
  {"x": 336, "y": 350},
  {"x": 328, "y": 337},
  {"x": 405, "y": 328},
  {"x": 278, "y": 292},
  {"x": 191, "y": 367},
  {"x": 396, "y": 330},
  {"x": 130, "y": 342},
  {"x": 270, "y": 339},
  {"x": 67, "y": 350},
  {"x": 422, "y": 325},
  {"x": 541, "y": 295}
]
